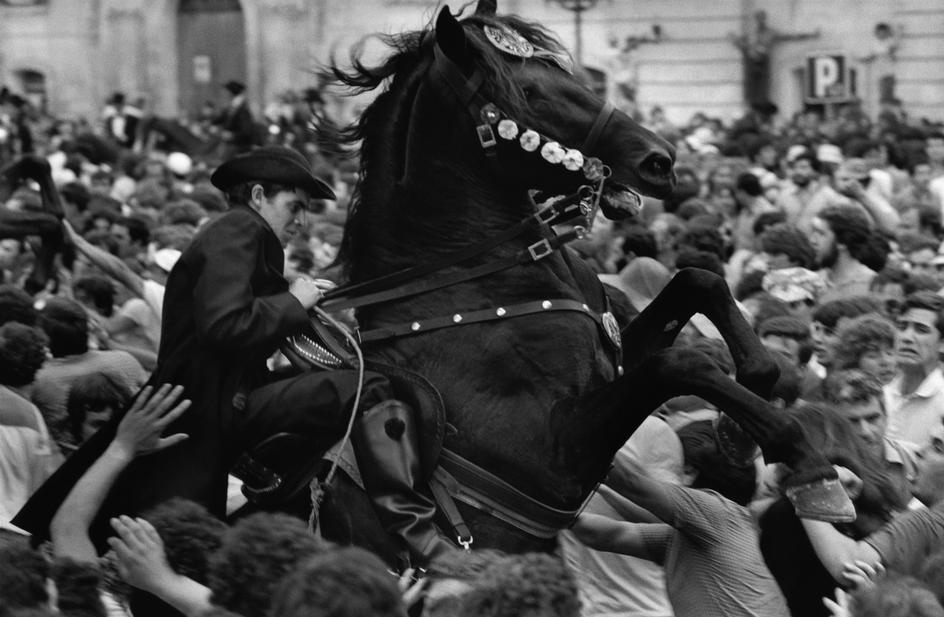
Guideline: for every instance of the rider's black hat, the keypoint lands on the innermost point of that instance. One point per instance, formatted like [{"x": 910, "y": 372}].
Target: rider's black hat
[
  {"x": 234, "y": 87},
  {"x": 276, "y": 164}
]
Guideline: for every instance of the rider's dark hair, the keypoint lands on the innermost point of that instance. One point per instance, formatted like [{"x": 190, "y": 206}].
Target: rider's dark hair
[{"x": 241, "y": 194}]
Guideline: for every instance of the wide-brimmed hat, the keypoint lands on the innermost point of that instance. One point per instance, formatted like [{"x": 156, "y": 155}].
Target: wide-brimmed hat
[{"x": 276, "y": 164}]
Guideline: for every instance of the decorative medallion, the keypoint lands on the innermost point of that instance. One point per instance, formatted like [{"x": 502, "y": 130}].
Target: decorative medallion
[
  {"x": 552, "y": 152},
  {"x": 507, "y": 129},
  {"x": 530, "y": 140},
  {"x": 573, "y": 160},
  {"x": 509, "y": 41},
  {"x": 593, "y": 168},
  {"x": 612, "y": 329}
]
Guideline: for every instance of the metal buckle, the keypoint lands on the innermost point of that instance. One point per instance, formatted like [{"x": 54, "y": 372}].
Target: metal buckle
[
  {"x": 540, "y": 249},
  {"x": 546, "y": 214},
  {"x": 465, "y": 543},
  {"x": 486, "y": 136}
]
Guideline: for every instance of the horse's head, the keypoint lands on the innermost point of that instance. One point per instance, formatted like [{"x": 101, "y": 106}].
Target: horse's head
[{"x": 550, "y": 123}]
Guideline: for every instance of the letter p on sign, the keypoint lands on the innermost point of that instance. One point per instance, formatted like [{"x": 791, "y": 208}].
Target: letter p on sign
[{"x": 826, "y": 79}]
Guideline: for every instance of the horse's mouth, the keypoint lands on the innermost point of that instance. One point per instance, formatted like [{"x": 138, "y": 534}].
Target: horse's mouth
[{"x": 620, "y": 201}]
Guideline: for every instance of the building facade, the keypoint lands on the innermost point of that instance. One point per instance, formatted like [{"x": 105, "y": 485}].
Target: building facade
[{"x": 70, "y": 55}]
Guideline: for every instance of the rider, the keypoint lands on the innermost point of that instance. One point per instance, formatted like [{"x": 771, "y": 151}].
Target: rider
[{"x": 227, "y": 308}]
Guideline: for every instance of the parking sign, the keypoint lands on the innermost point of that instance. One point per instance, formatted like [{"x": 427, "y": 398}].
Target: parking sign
[{"x": 827, "y": 78}]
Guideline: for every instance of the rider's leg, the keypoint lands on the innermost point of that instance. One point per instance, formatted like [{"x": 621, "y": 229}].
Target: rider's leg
[{"x": 313, "y": 410}]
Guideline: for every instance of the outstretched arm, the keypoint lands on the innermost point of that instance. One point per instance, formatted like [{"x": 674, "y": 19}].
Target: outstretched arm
[
  {"x": 605, "y": 534},
  {"x": 630, "y": 481},
  {"x": 138, "y": 433},
  {"x": 109, "y": 264}
]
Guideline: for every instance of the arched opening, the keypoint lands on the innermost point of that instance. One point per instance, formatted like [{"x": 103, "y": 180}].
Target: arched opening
[
  {"x": 211, "y": 50},
  {"x": 33, "y": 87}
]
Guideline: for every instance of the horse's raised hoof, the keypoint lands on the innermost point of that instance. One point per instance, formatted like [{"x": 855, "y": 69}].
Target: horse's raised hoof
[{"x": 822, "y": 500}]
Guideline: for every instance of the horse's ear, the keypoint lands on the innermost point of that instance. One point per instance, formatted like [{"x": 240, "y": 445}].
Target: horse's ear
[
  {"x": 451, "y": 39},
  {"x": 486, "y": 7}
]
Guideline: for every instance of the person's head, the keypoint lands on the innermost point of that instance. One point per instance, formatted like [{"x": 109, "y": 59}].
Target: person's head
[
  {"x": 638, "y": 242},
  {"x": 703, "y": 238},
  {"x": 65, "y": 323},
  {"x": 689, "y": 257},
  {"x": 92, "y": 401},
  {"x": 786, "y": 335},
  {"x": 932, "y": 574},
  {"x": 829, "y": 316},
  {"x": 451, "y": 576},
  {"x": 343, "y": 582},
  {"x": 190, "y": 535},
  {"x": 706, "y": 467},
  {"x": 804, "y": 168},
  {"x": 17, "y": 305},
  {"x": 895, "y": 596},
  {"x": 798, "y": 288},
  {"x": 920, "y": 325},
  {"x": 889, "y": 285},
  {"x": 858, "y": 398},
  {"x": 183, "y": 212},
  {"x": 22, "y": 353},
  {"x": 257, "y": 552},
  {"x": 78, "y": 591},
  {"x": 747, "y": 188},
  {"x": 526, "y": 585},
  {"x": 95, "y": 292},
  {"x": 838, "y": 230},
  {"x": 132, "y": 234},
  {"x": 277, "y": 183},
  {"x": 928, "y": 485},
  {"x": 785, "y": 246},
  {"x": 23, "y": 575},
  {"x": 919, "y": 251},
  {"x": 11, "y": 251},
  {"x": 867, "y": 343}
]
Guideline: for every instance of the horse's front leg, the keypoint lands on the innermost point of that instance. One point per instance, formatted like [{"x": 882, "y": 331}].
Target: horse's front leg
[
  {"x": 698, "y": 291},
  {"x": 813, "y": 486}
]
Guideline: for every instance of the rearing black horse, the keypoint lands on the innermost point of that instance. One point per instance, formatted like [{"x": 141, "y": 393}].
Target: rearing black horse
[{"x": 539, "y": 395}]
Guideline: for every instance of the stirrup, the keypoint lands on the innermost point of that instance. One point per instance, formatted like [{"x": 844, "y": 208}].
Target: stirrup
[{"x": 822, "y": 500}]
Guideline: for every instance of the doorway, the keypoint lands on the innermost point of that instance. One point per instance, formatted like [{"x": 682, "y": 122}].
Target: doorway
[{"x": 211, "y": 39}]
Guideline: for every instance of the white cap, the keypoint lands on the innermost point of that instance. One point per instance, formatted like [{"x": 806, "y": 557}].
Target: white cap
[
  {"x": 179, "y": 163},
  {"x": 166, "y": 258}
]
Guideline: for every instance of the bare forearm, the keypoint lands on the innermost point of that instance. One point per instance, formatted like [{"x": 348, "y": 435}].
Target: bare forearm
[
  {"x": 627, "y": 510},
  {"x": 884, "y": 215},
  {"x": 183, "y": 593},
  {"x": 834, "y": 550},
  {"x": 69, "y": 527},
  {"x": 110, "y": 264}
]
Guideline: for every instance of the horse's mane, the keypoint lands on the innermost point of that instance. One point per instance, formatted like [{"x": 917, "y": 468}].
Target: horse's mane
[{"x": 379, "y": 131}]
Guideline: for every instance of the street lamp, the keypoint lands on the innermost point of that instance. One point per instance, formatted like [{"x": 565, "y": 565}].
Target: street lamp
[{"x": 577, "y": 7}]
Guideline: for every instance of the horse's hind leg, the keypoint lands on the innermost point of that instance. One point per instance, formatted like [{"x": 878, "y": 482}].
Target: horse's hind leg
[
  {"x": 698, "y": 291},
  {"x": 813, "y": 486}
]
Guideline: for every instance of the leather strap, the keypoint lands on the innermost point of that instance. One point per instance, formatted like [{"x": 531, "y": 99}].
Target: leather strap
[
  {"x": 443, "y": 487},
  {"x": 559, "y": 211},
  {"x": 467, "y": 482},
  {"x": 471, "y": 317},
  {"x": 597, "y": 129}
]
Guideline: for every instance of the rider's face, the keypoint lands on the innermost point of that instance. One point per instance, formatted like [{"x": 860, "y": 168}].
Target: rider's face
[{"x": 285, "y": 212}]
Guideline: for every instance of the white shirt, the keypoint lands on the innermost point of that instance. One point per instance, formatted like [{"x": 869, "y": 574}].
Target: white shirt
[{"x": 911, "y": 416}]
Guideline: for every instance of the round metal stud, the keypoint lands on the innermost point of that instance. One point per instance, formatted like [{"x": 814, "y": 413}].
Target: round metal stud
[
  {"x": 490, "y": 113},
  {"x": 415, "y": 326},
  {"x": 546, "y": 304},
  {"x": 457, "y": 318},
  {"x": 500, "y": 312},
  {"x": 585, "y": 307},
  {"x": 619, "y": 370}
]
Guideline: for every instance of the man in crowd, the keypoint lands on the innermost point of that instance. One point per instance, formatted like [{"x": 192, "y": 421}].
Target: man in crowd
[
  {"x": 839, "y": 236},
  {"x": 915, "y": 399}
]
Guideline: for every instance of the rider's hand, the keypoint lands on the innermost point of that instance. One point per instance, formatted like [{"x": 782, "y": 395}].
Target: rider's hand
[{"x": 306, "y": 291}]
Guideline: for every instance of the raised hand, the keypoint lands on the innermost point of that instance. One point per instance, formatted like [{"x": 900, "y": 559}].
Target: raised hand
[{"x": 140, "y": 430}]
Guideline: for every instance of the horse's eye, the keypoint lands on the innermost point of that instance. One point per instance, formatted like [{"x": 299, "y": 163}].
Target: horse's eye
[{"x": 529, "y": 92}]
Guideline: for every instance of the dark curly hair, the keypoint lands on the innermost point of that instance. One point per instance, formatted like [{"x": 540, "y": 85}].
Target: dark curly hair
[
  {"x": 790, "y": 241},
  {"x": 896, "y": 596},
  {"x": 17, "y": 305},
  {"x": 850, "y": 226},
  {"x": 190, "y": 535},
  {"x": 255, "y": 555},
  {"x": 869, "y": 332},
  {"x": 715, "y": 471},
  {"x": 22, "y": 353},
  {"x": 65, "y": 323},
  {"x": 23, "y": 573},
  {"x": 929, "y": 301},
  {"x": 346, "y": 582},
  {"x": 96, "y": 392},
  {"x": 527, "y": 585},
  {"x": 77, "y": 586}
]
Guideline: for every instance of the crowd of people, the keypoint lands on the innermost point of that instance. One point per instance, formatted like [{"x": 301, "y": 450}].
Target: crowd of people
[{"x": 828, "y": 231}]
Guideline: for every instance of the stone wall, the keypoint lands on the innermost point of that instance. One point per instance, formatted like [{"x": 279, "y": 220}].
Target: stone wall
[{"x": 89, "y": 48}]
